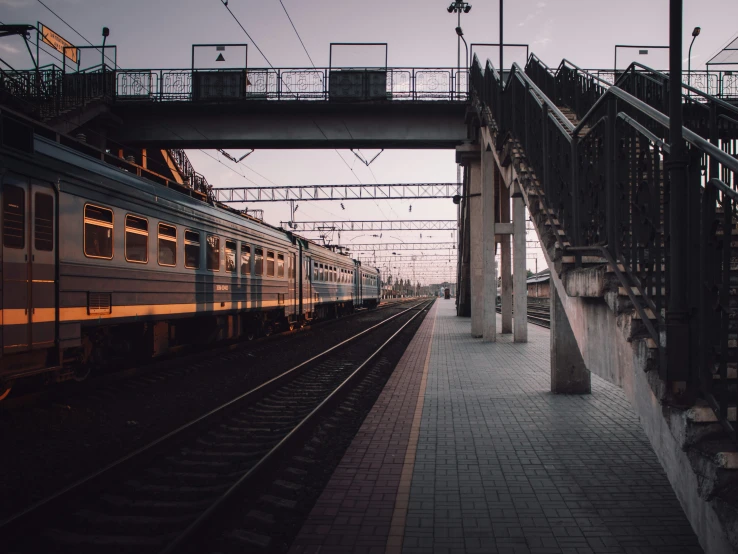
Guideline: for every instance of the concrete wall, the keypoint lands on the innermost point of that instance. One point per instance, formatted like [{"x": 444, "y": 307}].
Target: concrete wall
[{"x": 607, "y": 353}]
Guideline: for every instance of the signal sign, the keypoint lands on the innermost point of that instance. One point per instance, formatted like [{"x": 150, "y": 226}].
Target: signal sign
[{"x": 59, "y": 43}]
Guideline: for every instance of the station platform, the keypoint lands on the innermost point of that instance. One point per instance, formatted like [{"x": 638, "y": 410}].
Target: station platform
[{"x": 467, "y": 450}]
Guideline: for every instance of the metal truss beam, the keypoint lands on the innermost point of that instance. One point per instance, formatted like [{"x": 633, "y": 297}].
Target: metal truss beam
[
  {"x": 367, "y": 247},
  {"x": 382, "y": 225},
  {"x": 407, "y": 191}
]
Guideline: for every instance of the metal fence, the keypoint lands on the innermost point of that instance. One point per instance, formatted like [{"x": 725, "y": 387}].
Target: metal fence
[{"x": 606, "y": 180}]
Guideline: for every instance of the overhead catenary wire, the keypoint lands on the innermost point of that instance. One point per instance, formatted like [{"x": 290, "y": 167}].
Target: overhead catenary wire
[
  {"x": 298, "y": 34},
  {"x": 235, "y": 18},
  {"x": 51, "y": 53}
]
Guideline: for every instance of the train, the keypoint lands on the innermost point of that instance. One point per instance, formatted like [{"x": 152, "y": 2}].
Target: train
[{"x": 103, "y": 260}]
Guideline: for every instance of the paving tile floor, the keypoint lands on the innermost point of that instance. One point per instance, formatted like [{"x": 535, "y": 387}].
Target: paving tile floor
[
  {"x": 501, "y": 464},
  {"x": 505, "y": 466}
]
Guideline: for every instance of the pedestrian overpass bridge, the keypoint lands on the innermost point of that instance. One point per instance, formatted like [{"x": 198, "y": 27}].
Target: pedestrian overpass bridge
[{"x": 638, "y": 228}]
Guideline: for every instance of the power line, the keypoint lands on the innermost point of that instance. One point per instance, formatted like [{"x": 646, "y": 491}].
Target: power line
[
  {"x": 233, "y": 15},
  {"x": 225, "y": 5},
  {"x": 298, "y": 34}
]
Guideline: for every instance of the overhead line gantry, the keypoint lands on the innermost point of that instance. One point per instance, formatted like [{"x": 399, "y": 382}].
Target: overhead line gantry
[
  {"x": 382, "y": 225},
  {"x": 302, "y": 193}
]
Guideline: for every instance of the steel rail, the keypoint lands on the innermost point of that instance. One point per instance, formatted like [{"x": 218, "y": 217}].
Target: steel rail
[
  {"x": 23, "y": 520},
  {"x": 186, "y": 539}
]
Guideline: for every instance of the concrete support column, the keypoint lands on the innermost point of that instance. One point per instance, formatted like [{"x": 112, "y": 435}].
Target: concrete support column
[
  {"x": 489, "y": 325},
  {"x": 476, "y": 247},
  {"x": 505, "y": 260},
  {"x": 569, "y": 375},
  {"x": 520, "y": 290}
]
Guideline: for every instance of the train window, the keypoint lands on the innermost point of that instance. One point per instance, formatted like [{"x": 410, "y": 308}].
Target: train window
[
  {"x": 230, "y": 255},
  {"x": 280, "y": 265},
  {"x": 137, "y": 239},
  {"x": 270, "y": 263},
  {"x": 167, "y": 245},
  {"x": 245, "y": 259},
  {"x": 192, "y": 249},
  {"x": 43, "y": 221},
  {"x": 322, "y": 273},
  {"x": 14, "y": 217},
  {"x": 293, "y": 267},
  {"x": 98, "y": 232},
  {"x": 213, "y": 253},
  {"x": 258, "y": 261}
]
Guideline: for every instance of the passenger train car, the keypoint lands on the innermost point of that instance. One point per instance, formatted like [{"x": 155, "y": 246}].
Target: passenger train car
[{"x": 100, "y": 264}]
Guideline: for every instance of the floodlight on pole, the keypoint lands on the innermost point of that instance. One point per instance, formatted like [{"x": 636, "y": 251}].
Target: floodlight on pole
[{"x": 457, "y": 7}]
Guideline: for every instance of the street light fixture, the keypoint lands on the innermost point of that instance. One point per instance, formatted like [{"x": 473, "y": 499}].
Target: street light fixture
[
  {"x": 695, "y": 34},
  {"x": 105, "y": 35},
  {"x": 460, "y": 33}
]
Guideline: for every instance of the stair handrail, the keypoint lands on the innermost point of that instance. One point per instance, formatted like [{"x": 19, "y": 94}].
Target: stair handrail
[
  {"x": 629, "y": 71},
  {"x": 518, "y": 73}
]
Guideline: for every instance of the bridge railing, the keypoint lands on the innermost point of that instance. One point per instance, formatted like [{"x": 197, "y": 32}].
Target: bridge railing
[
  {"x": 414, "y": 84},
  {"x": 50, "y": 91},
  {"x": 606, "y": 182}
]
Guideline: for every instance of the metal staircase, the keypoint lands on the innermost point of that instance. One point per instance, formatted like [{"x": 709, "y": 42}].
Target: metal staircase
[{"x": 593, "y": 158}]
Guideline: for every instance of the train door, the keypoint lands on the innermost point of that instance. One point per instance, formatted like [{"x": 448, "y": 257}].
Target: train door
[
  {"x": 43, "y": 267},
  {"x": 307, "y": 289},
  {"x": 291, "y": 279},
  {"x": 29, "y": 266}
]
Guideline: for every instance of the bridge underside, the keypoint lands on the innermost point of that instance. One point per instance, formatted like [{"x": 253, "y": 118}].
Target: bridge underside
[{"x": 397, "y": 125}]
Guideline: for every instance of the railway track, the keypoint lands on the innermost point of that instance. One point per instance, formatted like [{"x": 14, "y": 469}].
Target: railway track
[
  {"x": 169, "y": 366},
  {"x": 538, "y": 312},
  {"x": 162, "y": 496}
]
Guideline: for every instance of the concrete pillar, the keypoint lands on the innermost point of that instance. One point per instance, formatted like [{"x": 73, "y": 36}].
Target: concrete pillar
[
  {"x": 569, "y": 375},
  {"x": 489, "y": 325},
  {"x": 520, "y": 291},
  {"x": 505, "y": 261},
  {"x": 476, "y": 261},
  {"x": 464, "y": 295}
]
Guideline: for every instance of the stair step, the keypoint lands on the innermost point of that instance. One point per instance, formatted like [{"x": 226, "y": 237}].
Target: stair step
[
  {"x": 586, "y": 260},
  {"x": 701, "y": 413},
  {"x": 649, "y": 314},
  {"x": 623, "y": 292}
]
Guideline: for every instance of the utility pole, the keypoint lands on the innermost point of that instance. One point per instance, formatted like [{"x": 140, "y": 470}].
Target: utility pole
[{"x": 677, "y": 324}]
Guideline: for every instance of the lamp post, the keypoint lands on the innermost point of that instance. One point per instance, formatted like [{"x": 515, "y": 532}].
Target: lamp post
[
  {"x": 458, "y": 6},
  {"x": 105, "y": 35},
  {"x": 695, "y": 34}
]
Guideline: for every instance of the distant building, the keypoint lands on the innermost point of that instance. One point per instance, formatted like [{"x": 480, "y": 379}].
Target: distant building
[{"x": 539, "y": 284}]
